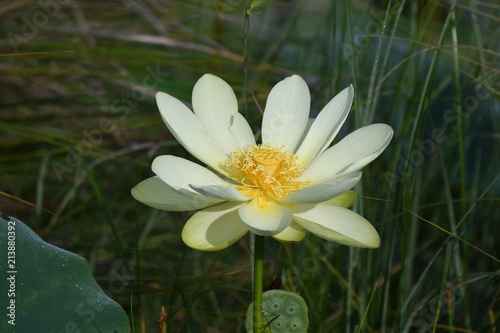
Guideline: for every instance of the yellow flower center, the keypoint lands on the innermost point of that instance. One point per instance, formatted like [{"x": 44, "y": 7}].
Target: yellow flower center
[{"x": 265, "y": 172}]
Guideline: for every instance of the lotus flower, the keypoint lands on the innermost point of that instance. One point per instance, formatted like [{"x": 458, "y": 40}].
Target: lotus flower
[{"x": 291, "y": 182}]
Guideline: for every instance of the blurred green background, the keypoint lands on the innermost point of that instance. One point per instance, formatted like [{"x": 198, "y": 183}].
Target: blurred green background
[{"x": 79, "y": 127}]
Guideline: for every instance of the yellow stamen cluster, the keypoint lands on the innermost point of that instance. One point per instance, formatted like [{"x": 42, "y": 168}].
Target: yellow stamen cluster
[{"x": 264, "y": 171}]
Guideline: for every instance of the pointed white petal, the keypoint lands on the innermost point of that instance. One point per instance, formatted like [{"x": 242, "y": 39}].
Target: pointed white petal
[
  {"x": 216, "y": 107},
  {"x": 180, "y": 173},
  {"x": 323, "y": 192},
  {"x": 268, "y": 220},
  {"x": 338, "y": 224},
  {"x": 292, "y": 234},
  {"x": 241, "y": 131},
  {"x": 286, "y": 113},
  {"x": 349, "y": 155},
  {"x": 157, "y": 194},
  {"x": 223, "y": 192},
  {"x": 185, "y": 127},
  {"x": 326, "y": 126},
  {"x": 214, "y": 228}
]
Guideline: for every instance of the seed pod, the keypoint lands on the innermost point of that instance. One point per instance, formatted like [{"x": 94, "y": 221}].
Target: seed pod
[{"x": 283, "y": 312}]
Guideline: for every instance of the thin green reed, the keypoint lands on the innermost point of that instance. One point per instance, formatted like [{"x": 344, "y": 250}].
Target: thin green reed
[
  {"x": 409, "y": 184},
  {"x": 443, "y": 289},
  {"x": 453, "y": 227},
  {"x": 398, "y": 9},
  {"x": 369, "y": 109},
  {"x": 41, "y": 185},
  {"x": 356, "y": 103},
  {"x": 457, "y": 97},
  {"x": 406, "y": 79},
  {"x": 460, "y": 137},
  {"x": 246, "y": 32},
  {"x": 340, "y": 55},
  {"x": 368, "y": 115},
  {"x": 478, "y": 37},
  {"x": 390, "y": 224}
]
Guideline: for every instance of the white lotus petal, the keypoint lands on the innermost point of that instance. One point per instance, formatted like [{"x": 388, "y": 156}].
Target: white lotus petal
[
  {"x": 268, "y": 220},
  {"x": 292, "y": 234},
  {"x": 349, "y": 155},
  {"x": 338, "y": 224},
  {"x": 216, "y": 107},
  {"x": 286, "y": 113},
  {"x": 223, "y": 192},
  {"x": 157, "y": 194},
  {"x": 241, "y": 131},
  {"x": 326, "y": 126},
  {"x": 185, "y": 127},
  {"x": 214, "y": 228},
  {"x": 323, "y": 192},
  {"x": 180, "y": 173}
]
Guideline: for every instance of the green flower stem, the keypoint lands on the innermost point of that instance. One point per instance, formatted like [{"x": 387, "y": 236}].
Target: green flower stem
[{"x": 258, "y": 264}]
